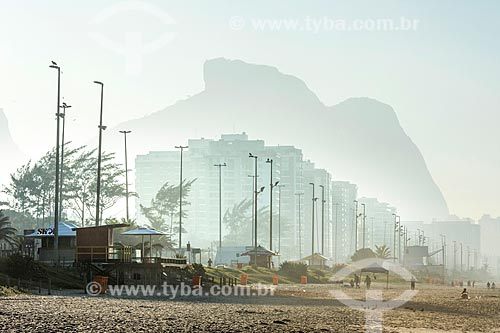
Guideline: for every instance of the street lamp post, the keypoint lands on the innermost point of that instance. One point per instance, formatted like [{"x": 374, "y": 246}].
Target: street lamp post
[
  {"x": 126, "y": 174},
  {"x": 394, "y": 235},
  {"x": 336, "y": 236},
  {"x": 312, "y": 224},
  {"x": 220, "y": 166},
  {"x": 271, "y": 186},
  {"x": 64, "y": 106},
  {"x": 364, "y": 224},
  {"x": 180, "y": 197},
  {"x": 356, "y": 226},
  {"x": 99, "y": 153},
  {"x": 250, "y": 155},
  {"x": 279, "y": 222},
  {"x": 322, "y": 219},
  {"x": 56, "y": 196},
  {"x": 300, "y": 226}
]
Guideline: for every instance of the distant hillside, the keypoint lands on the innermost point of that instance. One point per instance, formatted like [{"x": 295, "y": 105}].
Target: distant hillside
[{"x": 359, "y": 139}]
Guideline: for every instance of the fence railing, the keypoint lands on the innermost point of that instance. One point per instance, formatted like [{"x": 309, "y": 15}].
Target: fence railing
[{"x": 112, "y": 253}]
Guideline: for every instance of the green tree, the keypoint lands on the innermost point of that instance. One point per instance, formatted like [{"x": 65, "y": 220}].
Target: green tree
[
  {"x": 238, "y": 221},
  {"x": 31, "y": 189},
  {"x": 7, "y": 232},
  {"x": 165, "y": 205},
  {"x": 382, "y": 252},
  {"x": 363, "y": 254}
]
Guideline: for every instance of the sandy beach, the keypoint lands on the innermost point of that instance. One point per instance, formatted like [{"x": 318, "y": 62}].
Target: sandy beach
[{"x": 293, "y": 308}]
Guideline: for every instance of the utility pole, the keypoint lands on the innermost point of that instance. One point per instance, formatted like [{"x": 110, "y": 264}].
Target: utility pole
[
  {"x": 394, "y": 236},
  {"x": 220, "y": 166},
  {"x": 255, "y": 206},
  {"x": 468, "y": 258},
  {"x": 312, "y": 224},
  {"x": 299, "y": 195},
  {"x": 180, "y": 197},
  {"x": 336, "y": 236},
  {"x": 322, "y": 219},
  {"x": 279, "y": 223},
  {"x": 56, "y": 197},
  {"x": 356, "y": 227},
  {"x": 461, "y": 256},
  {"x": 64, "y": 106},
  {"x": 126, "y": 175},
  {"x": 271, "y": 186},
  {"x": 454, "y": 256},
  {"x": 99, "y": 158},
  {"x": 364, "y": 225},
  {"x": 443, "y": 249}
]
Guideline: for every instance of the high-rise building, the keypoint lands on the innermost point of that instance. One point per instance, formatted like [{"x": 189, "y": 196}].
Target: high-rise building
[
  {"x": 343, "y": 196},
  {"x": 378, "y": 223},
  {"x": 156, "y": 168}
]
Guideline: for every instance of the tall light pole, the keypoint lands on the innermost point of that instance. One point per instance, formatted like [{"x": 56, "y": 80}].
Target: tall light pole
[
  {"x": 461, "y": 256},
  {"x": 356, "y": 226},
  {"x": 336, "y": 237},
  {"x": 56, "y": 197},
  {"x": 126, "y": 174},
  {"x": 322, "y": 219},
  {"x": 394, "y": 235},
  {"x": 312, "y": 223},
  {"x": 99, "y": 153},
  {"x": 64, "y": 106},
  {"x": 400, "y": 233},
  {"x": 279, "y": 222},
  {"x": 364, "y": 224},
  {"x": 271, "y": 186},
  {"x": 300, "y": 226},
  {"x": 220, "y": 166},
  {"x": 253, "y": 205},
  {"x": 180, "y": 197},
  {"x": 250, "y": 155}
]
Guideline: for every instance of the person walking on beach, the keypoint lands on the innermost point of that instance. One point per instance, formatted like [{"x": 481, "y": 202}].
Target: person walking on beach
[
  {"x": 357, "y": 280},
  {"x": 412, "y": 283},
  {"x": 493, "y": 286},
  {"x": 368, "y": 281},
  {"x": 488, "y": 285}
]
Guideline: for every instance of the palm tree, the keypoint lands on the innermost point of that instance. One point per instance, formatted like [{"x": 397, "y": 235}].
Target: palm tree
[
  {"x": 7, "y": 233},
  {"x": 382, "y": 252}
]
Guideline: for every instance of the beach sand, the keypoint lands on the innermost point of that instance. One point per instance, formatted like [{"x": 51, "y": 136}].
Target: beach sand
[{"x": 293, "y": 308}]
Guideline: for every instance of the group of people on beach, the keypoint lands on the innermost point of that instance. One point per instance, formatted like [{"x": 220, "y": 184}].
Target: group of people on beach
[{"x": 491, "y": 286}]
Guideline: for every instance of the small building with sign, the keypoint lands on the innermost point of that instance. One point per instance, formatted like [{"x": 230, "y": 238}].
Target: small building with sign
[{"x": 43, "y": 245}]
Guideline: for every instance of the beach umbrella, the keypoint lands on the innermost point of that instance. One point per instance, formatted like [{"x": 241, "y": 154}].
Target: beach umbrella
[{"x": 145, "y": 231}]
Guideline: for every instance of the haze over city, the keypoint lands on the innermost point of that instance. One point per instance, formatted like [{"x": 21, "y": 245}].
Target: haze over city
[{"x": 312, "y": 157}]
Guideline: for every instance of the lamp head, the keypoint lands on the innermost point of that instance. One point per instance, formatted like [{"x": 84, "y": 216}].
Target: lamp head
[
  {"x": 269, "y": 161},
  {"x": 98, "y": 82},
  {"x": 276, "y": 184}
]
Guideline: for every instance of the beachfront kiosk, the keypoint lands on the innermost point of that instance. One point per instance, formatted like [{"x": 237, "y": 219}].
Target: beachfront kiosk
[{"x": 44, "y": 244}]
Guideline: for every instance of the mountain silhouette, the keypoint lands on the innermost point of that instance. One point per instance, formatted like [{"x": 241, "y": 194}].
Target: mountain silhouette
[
  {"x": 11, "y": 155},
  {"x": 359, "y": 140}
]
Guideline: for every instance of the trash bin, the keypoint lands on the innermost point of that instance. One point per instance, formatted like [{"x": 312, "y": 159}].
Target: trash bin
[
  {"x": 244, "y": 279},
  {"x": 275, "y": 279},
  {"x": 303, "y": 279},
  {"x": 103, "y": 282},
  {"x": 196, "y": 281}
]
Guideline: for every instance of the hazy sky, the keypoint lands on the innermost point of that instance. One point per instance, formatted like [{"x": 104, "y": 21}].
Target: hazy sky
[{"x": 442, "y": 78}]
